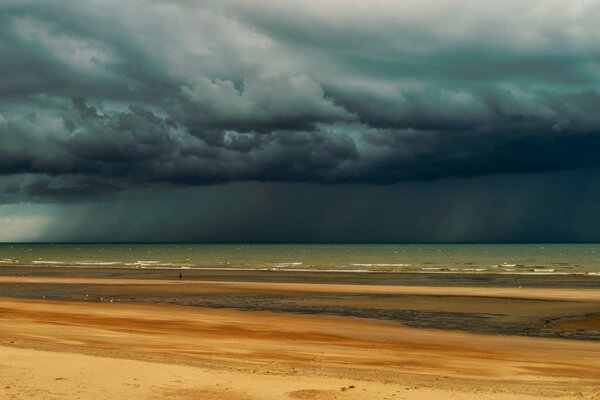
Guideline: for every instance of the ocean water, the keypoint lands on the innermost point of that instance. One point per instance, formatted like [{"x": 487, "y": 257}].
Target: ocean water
[{"x": 391, "y": 258}]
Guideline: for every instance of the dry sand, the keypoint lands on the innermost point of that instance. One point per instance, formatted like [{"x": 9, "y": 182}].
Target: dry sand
[{"x": 102, "y": 350}]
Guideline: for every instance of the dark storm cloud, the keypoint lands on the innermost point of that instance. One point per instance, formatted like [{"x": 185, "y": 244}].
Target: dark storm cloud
[{"x": 99, "y": 97}]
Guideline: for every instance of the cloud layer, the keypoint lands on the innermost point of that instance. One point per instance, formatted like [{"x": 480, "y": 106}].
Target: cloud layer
[{"x": 101, "y": 96}]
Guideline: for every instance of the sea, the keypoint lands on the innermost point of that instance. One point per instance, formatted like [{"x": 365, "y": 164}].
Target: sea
[{"x": 538, "y": 259}]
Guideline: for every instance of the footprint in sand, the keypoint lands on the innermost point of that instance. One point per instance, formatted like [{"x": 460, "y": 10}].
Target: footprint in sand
[
  {"x": 313, "y": 394},
  {"x": 203, "y": 394}
]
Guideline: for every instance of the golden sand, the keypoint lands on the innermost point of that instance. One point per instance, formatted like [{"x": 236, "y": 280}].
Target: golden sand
[{"x": 93, "y": 350}]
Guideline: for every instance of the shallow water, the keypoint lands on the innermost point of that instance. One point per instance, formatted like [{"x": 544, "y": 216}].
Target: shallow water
[{"x": 431, "y": 258}]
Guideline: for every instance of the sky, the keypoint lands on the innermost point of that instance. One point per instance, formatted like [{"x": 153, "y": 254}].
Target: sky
[{"x": 261, "y": 120}]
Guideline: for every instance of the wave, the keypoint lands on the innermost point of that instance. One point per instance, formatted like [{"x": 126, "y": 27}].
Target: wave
[
  {"x": 100, "y": 263},
  {"x": 380, "y": 265},
  {"x": 10, "y": 261},
  {"x": 297, "y": 266},
  {"x": 286, "y": 264},
  {"x": 47, "y": 262}
]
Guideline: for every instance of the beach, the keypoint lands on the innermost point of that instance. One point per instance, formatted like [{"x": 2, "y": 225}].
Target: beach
[
  {"x": 299, "y": 200},
  {"x": 84, "y": 333}
]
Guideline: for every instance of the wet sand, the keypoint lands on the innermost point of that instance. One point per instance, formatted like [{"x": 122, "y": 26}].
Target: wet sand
[
  {"x": 373, "y": 278},
  {"x": 548, "y": 312},
  {"x": 218, "y": 287},
  {"x": 92, "y": 337}
]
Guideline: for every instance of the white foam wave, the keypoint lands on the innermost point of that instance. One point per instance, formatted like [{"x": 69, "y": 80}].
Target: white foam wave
[
  {"x": 49, "y": 262},
  {"x": 380, "y": 265},
  {"x": 287, "y": 264},
  {"x": 388, "y": 268},
  {"x": 93, "y": 263}
]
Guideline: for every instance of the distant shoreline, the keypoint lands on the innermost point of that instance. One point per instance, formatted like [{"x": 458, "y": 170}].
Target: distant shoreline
[{"x": 425, "y": 278}]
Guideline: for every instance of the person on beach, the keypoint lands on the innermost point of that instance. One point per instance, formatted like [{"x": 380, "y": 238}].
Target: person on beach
[{"x": 180, "y": 275}]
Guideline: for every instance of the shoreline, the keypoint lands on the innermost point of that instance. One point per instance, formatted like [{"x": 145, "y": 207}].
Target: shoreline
[
  {"x": 425, "y": 278},
  {"x": 476, "y": 271}
]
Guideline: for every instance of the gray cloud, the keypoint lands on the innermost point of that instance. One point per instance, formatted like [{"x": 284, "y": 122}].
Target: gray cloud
[{"x": 102, "y": 97}]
